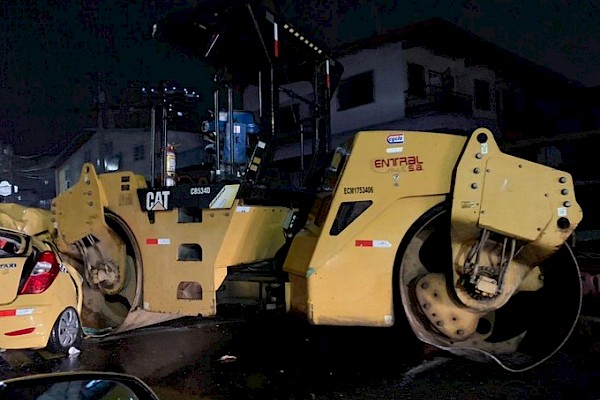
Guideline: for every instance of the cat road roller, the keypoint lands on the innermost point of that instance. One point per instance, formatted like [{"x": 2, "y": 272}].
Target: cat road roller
[{"x": 466, "y": 243}]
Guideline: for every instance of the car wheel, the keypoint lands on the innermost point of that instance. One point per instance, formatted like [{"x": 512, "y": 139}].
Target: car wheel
[{"x": 66, "y": 332}]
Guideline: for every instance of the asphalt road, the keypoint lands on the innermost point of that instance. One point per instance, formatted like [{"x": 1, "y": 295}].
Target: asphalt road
[{"x": 230, "y": 358}]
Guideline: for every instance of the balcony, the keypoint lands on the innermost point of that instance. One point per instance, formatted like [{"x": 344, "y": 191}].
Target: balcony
[{"x": 435, "y": 100}]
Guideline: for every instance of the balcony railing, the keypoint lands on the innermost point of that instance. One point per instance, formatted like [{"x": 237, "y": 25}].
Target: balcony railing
[{"x": 436, "y": 100}]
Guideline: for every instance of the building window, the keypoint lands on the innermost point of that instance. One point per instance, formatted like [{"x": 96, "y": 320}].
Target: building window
[
  {"x": 482, "y": 95},
  {"x": 435, "y": 79},
  {"x": 416, "y": 80},
  {"x": 112, "y": 163},
  {"x": 356, "y": 91},
  {"x": 139, "y": 153},
  {"x": 67, "y": 178}
]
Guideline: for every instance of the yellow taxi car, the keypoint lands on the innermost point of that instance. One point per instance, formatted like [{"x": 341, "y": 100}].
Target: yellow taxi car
[{"x": 40, "y": 295}]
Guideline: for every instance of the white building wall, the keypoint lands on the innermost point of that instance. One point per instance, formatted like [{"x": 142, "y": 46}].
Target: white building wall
[
  {"x": 123, "y": 143},
  {"x": 388, "y": 110},
  {"x": 438, "y": 63},
  {"x": 464, "y": 77},
  {"x": 67, "y": 174},
  {"x": 389, "y": 76},
  {"x": 389, "y": 66},
  {"x": 250, "y": 97},
  {"x": 389, "y": 80}
]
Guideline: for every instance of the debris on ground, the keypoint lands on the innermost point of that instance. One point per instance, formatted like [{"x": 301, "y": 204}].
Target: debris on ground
[
  {"x": 74, "y": 351},
  {"x": 227, "y": 358}
]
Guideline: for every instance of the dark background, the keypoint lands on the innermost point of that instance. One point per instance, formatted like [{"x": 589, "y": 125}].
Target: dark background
[{"x": 55, "y": 54}]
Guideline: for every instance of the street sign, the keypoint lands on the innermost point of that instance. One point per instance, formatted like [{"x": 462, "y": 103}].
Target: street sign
[{"x": 6, "y": 189}]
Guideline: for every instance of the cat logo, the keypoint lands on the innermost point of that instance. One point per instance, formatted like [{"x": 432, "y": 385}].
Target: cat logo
[{"x": 157, "y": 201}]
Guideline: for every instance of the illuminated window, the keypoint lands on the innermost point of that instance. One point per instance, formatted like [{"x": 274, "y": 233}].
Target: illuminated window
[{"x": 139, "y": 153}]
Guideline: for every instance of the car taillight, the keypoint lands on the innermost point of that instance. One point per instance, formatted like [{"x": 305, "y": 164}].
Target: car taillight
[{"x": 43, "y": 273}]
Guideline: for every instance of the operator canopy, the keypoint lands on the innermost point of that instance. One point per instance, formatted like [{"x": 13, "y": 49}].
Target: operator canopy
[{"x": 239, "y": 39}]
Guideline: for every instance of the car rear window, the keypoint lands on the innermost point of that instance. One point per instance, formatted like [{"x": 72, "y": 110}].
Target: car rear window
[{"x": 11, "y": 244}]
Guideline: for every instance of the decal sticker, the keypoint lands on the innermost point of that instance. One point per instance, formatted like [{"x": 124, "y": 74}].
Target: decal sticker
[
  {"x": 158, "y": 241},
  {"x": 62, "y": 268},
  {"x": 397, "y": 138},
  {"x": 16, "y": 312},
  {"x": 156, "y": 201},
  {"x": 372, "y": 243},
  {"x": 5, "y": 188},
  {"x": 8, "y": 313},
  {"x": 198, "y": 195},
  {"x": 484, "y": 148},
  {"x": 225, "y": 197},
  {"x": 200, "y": 190},
  {"x": 358, "y": 190},
  {"x": 562, "y": 211},
  {"x": 467, "y": 204},
  {"x": 405, "y": 164},
  {"x": 8, "y": 266},
  {"x": 242, "y": 209},
  {"x": 392, "y": 150}
]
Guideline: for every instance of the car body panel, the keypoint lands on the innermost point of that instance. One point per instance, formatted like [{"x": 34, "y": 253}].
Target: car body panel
[
  {"x": 35, "y": 313},
  {"x": 13, "y": 255}
]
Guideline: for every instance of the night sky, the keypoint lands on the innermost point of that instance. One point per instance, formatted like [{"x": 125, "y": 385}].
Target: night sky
[{"x": 55, "y": 53}]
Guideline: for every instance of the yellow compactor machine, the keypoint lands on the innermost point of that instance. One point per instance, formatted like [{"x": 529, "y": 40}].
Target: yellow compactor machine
[{"x": 466, "y": 243}]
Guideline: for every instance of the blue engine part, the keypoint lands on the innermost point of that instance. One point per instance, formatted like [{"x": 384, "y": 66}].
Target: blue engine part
[
  {"x": 242, "y": 117},
  {"x": 239, "y": 144},
  {"x": 243, "y": 125}
]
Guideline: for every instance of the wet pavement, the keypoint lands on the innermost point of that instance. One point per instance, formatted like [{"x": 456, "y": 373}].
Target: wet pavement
[{"x": 281, "y": 358}]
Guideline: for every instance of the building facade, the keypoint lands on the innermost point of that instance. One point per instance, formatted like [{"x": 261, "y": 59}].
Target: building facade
[
  {"x": 431, "y": 76},
  {"x": 122, "y": 138},
  {"x": 435, "y": 76},
  {"x": 27, "y": 180},
  {"x": 122, "y": 149}
]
